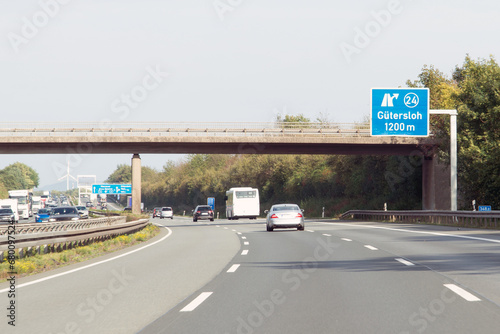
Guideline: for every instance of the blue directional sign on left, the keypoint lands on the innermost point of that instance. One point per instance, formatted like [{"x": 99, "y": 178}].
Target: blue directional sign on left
[{"x": 400, "y": 112}]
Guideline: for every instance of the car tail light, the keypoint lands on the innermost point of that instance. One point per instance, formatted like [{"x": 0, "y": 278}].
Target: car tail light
[
  {"x": 299, "y": 215},
  {"x": 274, "y": 216}
]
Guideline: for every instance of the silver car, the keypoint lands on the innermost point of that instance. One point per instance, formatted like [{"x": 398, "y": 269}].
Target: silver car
[
  {"x": 83, "y": 211},
  {"x": 285, "y": 216}
]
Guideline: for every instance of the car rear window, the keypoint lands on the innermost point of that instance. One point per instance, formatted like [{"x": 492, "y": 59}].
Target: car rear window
[
  {"x": 166, "y": 209},
  {"x": 204, "y": 208},
  {"x": 286, "y": 208},
  {"x": 64, "y": 211}
]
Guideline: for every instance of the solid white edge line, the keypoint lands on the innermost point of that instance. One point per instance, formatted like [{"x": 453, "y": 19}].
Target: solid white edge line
[
  {"x": 405, "y": 262},
  {"x": 462, "y": 293},
  {"x": 233, "y": 268},
  {"x": 244, "y": 252},
  {"x": 196, "y": 302},
  {"x": 371, "y": 247},
  {"x": 414, "y": 231},
  {"x": 90, "y": 265}
]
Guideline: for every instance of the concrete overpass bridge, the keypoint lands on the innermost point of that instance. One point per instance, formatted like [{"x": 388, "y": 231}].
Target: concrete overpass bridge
[{"x": 214, "y": 138}]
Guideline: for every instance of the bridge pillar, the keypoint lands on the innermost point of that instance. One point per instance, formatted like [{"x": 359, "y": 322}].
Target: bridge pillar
[
  {"x": 136, "y": 184},
  {"x": 428, "y": 184}
]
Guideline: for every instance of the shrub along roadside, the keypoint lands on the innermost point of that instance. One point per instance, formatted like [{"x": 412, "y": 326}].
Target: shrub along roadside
[{"x": 38, "y": 263}]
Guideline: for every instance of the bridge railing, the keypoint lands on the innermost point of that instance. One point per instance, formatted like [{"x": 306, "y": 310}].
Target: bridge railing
[
  {"x": 184, "y": 129},
  {"x": 471, "y": 219}
]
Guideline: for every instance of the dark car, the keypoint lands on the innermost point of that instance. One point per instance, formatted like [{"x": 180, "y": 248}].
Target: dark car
[
  {"x": 203, "y": 212},
  {"x": 64, "y": 213},
  {"x": 7, "y": 215}
]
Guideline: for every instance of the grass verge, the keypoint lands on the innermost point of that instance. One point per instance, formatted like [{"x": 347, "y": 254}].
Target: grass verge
[{"x": 39, "y": 263}]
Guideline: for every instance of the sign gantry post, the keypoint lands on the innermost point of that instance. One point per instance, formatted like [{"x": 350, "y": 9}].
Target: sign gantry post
[{"x": 405, "y": 112}]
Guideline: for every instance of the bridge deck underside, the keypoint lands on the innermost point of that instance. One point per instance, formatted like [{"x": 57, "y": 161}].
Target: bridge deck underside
[{"x": 218, "y": 145}]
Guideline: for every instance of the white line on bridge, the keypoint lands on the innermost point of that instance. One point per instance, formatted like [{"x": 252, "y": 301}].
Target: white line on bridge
[
  {"x": 371, "y": 247},
  {"x": 196, "y": 302}
]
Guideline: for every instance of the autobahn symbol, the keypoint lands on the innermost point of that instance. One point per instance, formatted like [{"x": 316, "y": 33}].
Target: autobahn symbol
[{"x": 400, "y": 112}]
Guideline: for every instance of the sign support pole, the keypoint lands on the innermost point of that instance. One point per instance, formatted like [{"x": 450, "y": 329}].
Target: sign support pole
[{"x": 453, "y": 153}]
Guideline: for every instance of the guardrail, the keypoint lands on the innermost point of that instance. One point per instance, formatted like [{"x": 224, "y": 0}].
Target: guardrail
[
  {"x": 471, "y": 219},
  {"x": 185, "y": 129},
  {"x": 65, "y": 235}
]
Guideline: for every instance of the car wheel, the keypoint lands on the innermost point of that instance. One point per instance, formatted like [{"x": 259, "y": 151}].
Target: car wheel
[
  {"x": 300, "y": 228},
  {"x": 195, "y": 220},
  {"x": 171, "y": 217},
  {"x": 269, "y": 228}
]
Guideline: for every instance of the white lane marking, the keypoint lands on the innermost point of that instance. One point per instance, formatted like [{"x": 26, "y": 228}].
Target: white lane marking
[
  {"x": 233, "y": 230},
  {"x": 405, "y": 262},
  {"x": 371, "y": 247},
  {"x": 243, "y": 237},
  {"x": 196, "y": 302},
  {"x": 327, "y": 235},
  {"x": 345, "y": 239},
  {"x": 462, "y": 293},
  {"x": 414, "y": 231},
  {"x": 217, "y": 225},
  {"x": 245, "y": 252},
  {"x": 310, "y": 231},
  {"x": 246, "y": 243},
  {"x": 90, "y": 265},
  {"x": 239, "y": 233},
  {"x": 233, "y": 268}
]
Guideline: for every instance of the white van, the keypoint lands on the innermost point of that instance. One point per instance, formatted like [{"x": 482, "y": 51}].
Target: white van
[{"x": 242, "y": 202}]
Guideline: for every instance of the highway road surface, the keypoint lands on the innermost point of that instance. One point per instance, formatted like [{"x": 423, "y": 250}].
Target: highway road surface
[{"x": 234, "y": 277}]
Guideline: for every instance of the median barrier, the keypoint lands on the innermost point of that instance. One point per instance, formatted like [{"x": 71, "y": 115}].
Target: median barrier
[{"x": 63, "y": 235}]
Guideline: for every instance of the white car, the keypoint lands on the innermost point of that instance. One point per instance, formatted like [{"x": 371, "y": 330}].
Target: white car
[
  {"x": 285, "y": 216},
  {"x": 166, "y": 212}
]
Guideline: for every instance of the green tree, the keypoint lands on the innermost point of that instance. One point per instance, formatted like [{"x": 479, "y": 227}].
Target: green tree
[
  {"x": 478, "y": 127},
  {"x": 474, "y": 90},
  {"x": 19, "y": 176}
]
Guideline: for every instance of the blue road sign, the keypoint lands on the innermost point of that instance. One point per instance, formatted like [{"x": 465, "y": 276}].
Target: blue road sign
[
  {"x": 484, "y": 208},
  {"x": 400, "y": 112},
  {"x": 211, "y": 202},
  {"x": 111, "y": 188}
]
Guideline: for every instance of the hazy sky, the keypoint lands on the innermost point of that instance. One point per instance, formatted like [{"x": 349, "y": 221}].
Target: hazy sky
[{"x": 222, "y": 60}]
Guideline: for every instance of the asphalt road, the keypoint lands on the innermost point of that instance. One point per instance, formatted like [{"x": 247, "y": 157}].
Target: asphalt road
[{"x": 234, "y": 277}]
